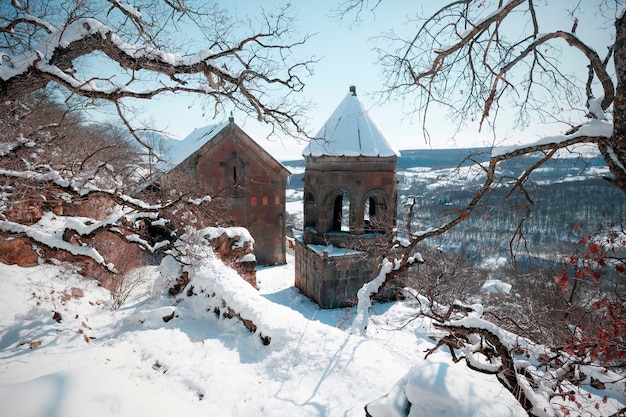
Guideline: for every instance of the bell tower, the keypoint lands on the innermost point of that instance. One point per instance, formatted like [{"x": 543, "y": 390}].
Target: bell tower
[{"x": 349, "y": 205}]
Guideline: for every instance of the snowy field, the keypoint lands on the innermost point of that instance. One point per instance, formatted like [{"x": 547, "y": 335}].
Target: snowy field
[{"x": 91, "y": 361}]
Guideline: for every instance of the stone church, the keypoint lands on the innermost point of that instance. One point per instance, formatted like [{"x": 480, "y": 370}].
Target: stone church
[
  {"x": 350, "y": 199},
  {"x": 228, "y": 163}
]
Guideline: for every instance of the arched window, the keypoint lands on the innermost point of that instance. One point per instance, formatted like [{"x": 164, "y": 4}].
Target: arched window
[
  {"x": 235, "y": 178},
  {"x": 375, "y": 213},
  {"x": 341, "y": 214}
]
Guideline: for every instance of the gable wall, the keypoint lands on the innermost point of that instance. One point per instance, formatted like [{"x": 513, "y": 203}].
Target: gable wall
[{"x": 256, "y": 198}]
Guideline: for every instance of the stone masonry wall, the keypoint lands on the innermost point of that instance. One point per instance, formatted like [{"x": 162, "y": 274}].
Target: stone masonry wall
[{"x": 331, "y": 281}]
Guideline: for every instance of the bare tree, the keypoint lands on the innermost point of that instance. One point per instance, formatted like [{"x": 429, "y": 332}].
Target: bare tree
[
  {"x": 144, "y": 50},
  {"x": 463, "y": 57},
  {"x": 80, "y": 177},
  {"x": 478, "y": 61}
]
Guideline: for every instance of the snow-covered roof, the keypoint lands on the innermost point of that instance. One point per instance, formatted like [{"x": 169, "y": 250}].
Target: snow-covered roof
[
  {"x": 350, "y": 131},
  {"x": 178, "y": 151},
  {"x": 175, "y": 152}
]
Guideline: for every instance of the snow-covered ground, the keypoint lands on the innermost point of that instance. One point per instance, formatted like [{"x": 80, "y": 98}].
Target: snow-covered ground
[{"x": 91, "y": 361}]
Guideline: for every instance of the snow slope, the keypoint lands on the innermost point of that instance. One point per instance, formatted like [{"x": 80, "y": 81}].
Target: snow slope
[{"x": 131, "y": 362}]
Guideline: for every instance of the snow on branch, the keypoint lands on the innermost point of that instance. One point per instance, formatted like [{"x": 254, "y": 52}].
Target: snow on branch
[
  {"x": 9, "y": 26},
  {"x": 359, "y": 324},
  {"x": 72, "y": 186},
  {"x": 239, "y": 71},
  {"x": 49, "y": 59},
  {"x": 593, "y": 131},
  {"x": 135, "y": 238},
  {"x": 128, "y": 10},
  {"x": 56, "y": 231},
  {"x": 539, "y": 377}
]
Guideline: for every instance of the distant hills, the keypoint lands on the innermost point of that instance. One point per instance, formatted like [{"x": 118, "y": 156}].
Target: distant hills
[
  {"x": 568, "y": 197},
  {"x": 579, "y": 164}
]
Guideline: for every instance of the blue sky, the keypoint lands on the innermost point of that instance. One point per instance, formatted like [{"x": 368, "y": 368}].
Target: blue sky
[{"x": 346, "y": 58}]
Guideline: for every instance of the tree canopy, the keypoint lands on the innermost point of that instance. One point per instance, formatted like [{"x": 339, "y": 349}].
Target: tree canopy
[
  {"x": 85, "y": 181},
  {"x": 480, "y": 61},
  {"x": 154, "y": 48}
]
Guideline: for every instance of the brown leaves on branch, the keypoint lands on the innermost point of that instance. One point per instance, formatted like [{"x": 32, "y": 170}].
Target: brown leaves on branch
[{"x": 601, "y": 326}]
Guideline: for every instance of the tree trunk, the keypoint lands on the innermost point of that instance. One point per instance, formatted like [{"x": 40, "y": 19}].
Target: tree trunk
[{"x": 614, "y": 149}]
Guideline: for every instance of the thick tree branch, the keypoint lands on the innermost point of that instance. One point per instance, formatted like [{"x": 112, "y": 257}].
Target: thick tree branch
[
  {"x": 466, "y": 37},
  {"x": 490, "y": 170},
  {"x": 596, "y": 64},
  {"x": 240, "y": 72}
]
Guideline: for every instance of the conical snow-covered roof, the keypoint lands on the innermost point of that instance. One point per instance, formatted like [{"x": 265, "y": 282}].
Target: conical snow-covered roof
[{"x": 349, "y": 131}]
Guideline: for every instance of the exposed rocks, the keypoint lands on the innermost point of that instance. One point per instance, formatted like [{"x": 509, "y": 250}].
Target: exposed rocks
[
  {"x": 17, "y": 251},
  {"x": 77, "y": 292},
  {"x": 179, "y": 285},
  {"x": 57, "y": 317},
  {"x": 74, "y": 293},
  {"x": 227, "y": 312},
  {"x": 237, "y": 255},
  {"x": 169, "y": 317}
]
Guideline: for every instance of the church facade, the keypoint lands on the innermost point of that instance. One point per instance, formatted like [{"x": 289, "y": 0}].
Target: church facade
[{"x": 248, "y": 182}]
